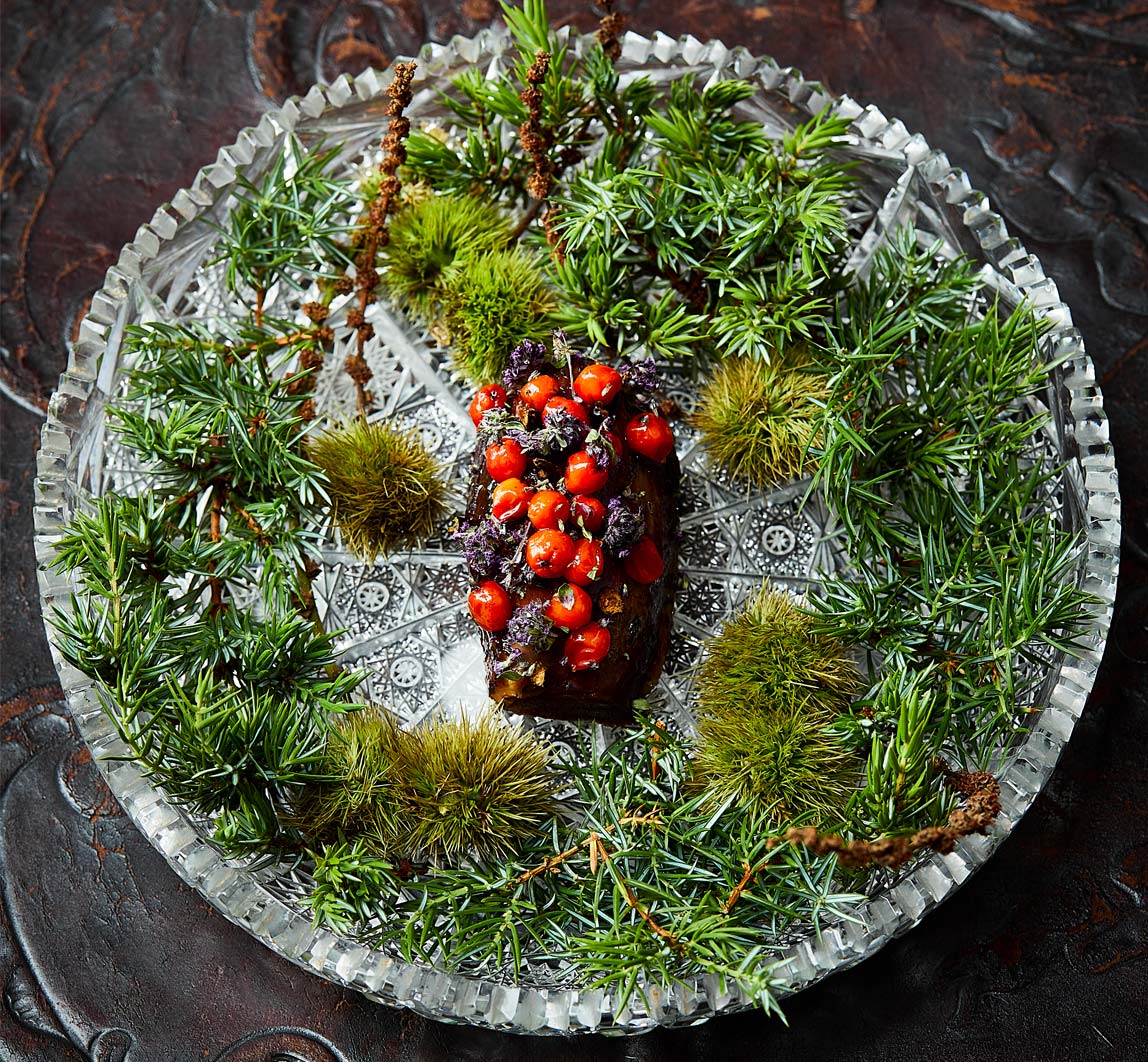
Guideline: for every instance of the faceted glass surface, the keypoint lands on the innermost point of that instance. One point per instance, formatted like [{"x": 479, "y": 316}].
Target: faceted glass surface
[{"x": 405, "y": 616}]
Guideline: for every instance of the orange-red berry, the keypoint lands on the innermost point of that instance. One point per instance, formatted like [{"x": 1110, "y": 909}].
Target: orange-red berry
[
  {"x": 490, "y": 606},
  {"x": 588, "y": 513},
  {"x": 548, "y": 508},
  {"x": 586, "y": 647},
  {"x": 573, "y": 407},
  {"x": 549, "y": 552},
  {"x": 538, "y": 390},
  {"x": 598, "y": 385},
  {"x": 583, "y": 475},
  {"x": 651, "y": 436},
  {"x": 644, "y": 563},
  {"x": 570, "y": 607},
  {"x": 588, "y": 563},
  {"x": 505, "y": 460},
  {"x": 510, "y": 500},
  {"x": 489, "y": 397}
]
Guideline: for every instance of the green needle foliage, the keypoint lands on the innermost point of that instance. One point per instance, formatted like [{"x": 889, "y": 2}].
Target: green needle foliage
[
  {"x": 386, "y": 490},
  {"x": 686, "y": 231},
  {"x": 433, "y": 236},
  {"x": 908, "y": 732},
  {"x": 751, "y": 272},
  {"x": 664, "y": 861},
  {"x": 930, "y": 454},
  {"x": 769, "y": 690},
  {"x": 473, "y": 786},
  {"x": 296, "y": 216},
  {"x": 493, "y": 302},
  {"x": 758, "y": 419}
]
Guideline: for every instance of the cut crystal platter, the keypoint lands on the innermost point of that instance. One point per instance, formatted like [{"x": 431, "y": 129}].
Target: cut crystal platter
[{"x": 405, "y": 618}]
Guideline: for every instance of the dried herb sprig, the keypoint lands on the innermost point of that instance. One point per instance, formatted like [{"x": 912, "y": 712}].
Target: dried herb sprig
[
  {"x": 373, "y": 234},
  {"x": 536, "y": 139},
  {"x": 386, "y": 490},
  {"x": 610, "y": 27}
]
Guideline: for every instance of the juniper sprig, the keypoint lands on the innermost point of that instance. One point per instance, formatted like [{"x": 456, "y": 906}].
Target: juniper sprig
[{"x": 292, "y": 223}]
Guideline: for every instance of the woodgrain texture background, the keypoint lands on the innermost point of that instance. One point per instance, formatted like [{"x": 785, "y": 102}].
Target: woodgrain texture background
[{"x": 109, "y": 107}]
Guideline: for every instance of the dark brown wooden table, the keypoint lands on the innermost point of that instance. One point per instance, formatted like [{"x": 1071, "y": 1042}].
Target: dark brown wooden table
[{"x": 109, "y": 107}]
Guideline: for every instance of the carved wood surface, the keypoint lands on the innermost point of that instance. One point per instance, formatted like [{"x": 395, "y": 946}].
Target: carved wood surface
[{"x": 109, "y": 107}]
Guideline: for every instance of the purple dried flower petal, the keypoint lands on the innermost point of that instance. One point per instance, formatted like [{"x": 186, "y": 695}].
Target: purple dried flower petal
[
  {"x": 524, "y": 359},
  {"x": 624, "y": 526},
  {"x": 484, "y": 546},
  {"x": 531, "y": 626},
  {"x": 641, "y": 376},
  {"x": 563, "y": 431},
  {"x": 599, "y": 447}
]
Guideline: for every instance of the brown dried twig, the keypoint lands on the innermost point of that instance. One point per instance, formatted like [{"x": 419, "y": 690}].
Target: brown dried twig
[
  {"x": 981, "y": 806},
  {"x": 550, "y": 864},
  {"x": 610, "y": 27},
  {"x": 536, "y": 139},
  {"x": 373, "y": 234}
]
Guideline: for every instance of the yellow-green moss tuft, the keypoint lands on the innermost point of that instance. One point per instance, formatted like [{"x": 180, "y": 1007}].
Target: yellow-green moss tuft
[
  {"x": 433, "y": 236},
  {"x": 493, "y": 302},
  {"x": 768, "y": 690},
  {"x": 757, "y": 419},
  {"x": 474, "y": 786},
  {"x": 363, "y": 793},
  {"x": 386, "y": 490}
]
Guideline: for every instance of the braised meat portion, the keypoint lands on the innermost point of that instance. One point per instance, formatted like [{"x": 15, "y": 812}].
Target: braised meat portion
[{"x": 571, "y": 535}]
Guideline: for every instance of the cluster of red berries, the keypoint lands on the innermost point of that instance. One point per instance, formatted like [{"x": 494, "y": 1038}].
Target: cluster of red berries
[{"x": 551, "y": 552}]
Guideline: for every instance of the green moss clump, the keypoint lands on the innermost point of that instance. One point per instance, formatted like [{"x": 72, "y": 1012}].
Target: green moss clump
[
  {"x": 363, "y": 794},
  {"x": 474, "y": 786},
  {"x": 758, "y": 418},
  {"x": 780, "y": 764},
  {"x": 493, "y": 302},
  {"x": 386, "y": 490},
  {"x": 768, "y": 690},
  {"x": 449, "y": 788},
  {"x": 432, "y": 237}
]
